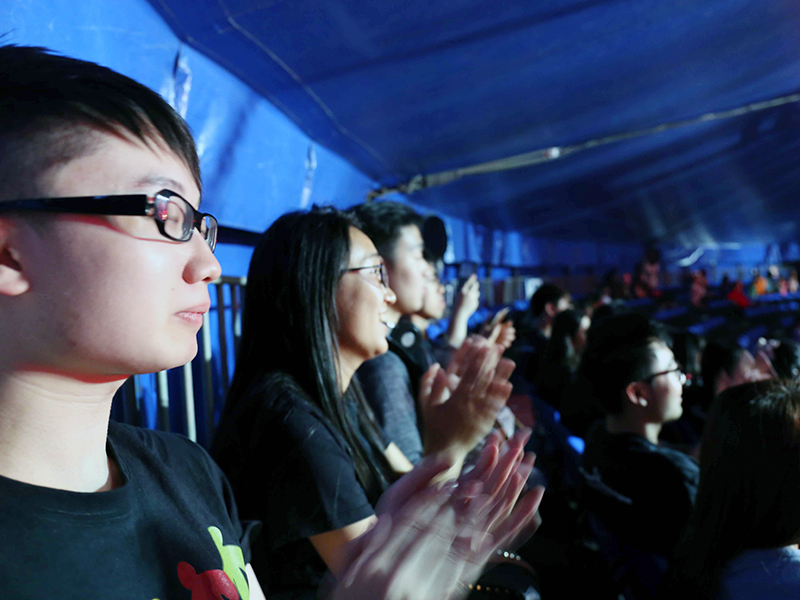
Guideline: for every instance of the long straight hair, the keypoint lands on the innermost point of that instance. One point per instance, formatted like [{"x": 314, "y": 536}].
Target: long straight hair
[
  {"x": 749, "y": 484},
  {"x": 289, "y": 327}
]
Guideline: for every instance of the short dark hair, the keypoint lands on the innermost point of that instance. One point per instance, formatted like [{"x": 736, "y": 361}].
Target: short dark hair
[
  {"x": 719, "y": 357},
  {"x": 618, "y": 352},
  {"x": 546, "y": 294},
  {"x": 50, "y": 104},
  {"x": 382, "y": 222}
]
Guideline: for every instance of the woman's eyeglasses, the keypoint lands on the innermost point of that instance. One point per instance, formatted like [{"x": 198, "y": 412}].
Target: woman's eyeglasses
[
  {"x": 377, "y": 272},
  {"x": 175, "y": 218}
]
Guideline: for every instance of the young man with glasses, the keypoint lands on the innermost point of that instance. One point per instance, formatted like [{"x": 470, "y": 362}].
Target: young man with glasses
[{"x": 633, "y": 374}]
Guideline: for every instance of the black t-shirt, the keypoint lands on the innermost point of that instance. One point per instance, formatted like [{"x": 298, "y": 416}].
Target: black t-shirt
[
  {"x": 170, "y": 532},
  {"x": 660, "y": 483},
  {"x": 292, "y": 470}
]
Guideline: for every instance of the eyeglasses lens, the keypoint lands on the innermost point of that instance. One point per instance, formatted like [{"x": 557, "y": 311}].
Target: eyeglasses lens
[{"x": 208, "y": 227}]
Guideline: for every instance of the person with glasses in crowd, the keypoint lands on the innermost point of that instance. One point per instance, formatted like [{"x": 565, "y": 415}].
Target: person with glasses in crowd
[
  {"x": 105, "y": 260},
  {"x": 640, "y": 491},
  {"x": 297, "y": 439}
]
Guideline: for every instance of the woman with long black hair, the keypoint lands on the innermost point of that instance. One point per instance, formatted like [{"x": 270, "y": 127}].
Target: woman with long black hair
[
  {"x": 297, "y": 439},
  {"x": 741, "y": 541}
]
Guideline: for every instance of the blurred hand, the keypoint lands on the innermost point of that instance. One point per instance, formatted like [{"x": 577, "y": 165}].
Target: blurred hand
[
  {"x": 431, "y": 541},
  {"x": 503, "y": 334},
  {"x": 468, "y": 299},
  {"x": 466, "y": 303}
]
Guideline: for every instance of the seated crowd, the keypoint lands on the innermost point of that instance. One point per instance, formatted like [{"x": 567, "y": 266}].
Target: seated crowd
[{"x": 356, "y": 457}]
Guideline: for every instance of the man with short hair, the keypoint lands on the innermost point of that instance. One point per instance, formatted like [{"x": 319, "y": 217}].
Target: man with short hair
[
  {"x": 105, "y": 261},
  {"x": 391, "y": 381},
  {"x": 633, "y": 374}
]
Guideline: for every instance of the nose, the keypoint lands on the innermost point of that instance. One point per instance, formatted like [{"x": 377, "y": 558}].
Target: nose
[
  {"x": 389, "y": 296},
  {"x": 202, "y": 265}
]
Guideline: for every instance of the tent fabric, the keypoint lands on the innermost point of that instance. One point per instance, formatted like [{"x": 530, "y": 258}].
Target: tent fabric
[
  {"x": 256, "y": 163},
  {"x": 301, "y": 103},
  {"x": 422, "y": 87}
]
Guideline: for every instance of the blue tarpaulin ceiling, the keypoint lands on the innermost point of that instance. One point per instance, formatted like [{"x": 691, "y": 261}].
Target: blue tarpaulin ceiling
[{"x": 399, "y": 89}]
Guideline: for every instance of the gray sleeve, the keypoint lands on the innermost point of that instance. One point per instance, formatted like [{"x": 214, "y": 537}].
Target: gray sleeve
[{"x": 387, "y": 387}]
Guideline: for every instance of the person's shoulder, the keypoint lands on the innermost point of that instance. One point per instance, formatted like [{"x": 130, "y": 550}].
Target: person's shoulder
[
  {"x": 387, "y": 361},
  {"x": 156, "y": 451},
  {"x": 159, "y": 443},
  {"x": 772, "y": 573}
]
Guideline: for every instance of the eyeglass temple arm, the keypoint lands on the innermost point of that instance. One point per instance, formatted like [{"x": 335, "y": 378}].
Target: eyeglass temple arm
[{"x": 132, "y": 204}]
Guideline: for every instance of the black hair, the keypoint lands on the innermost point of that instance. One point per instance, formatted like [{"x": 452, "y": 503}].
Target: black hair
[
  {"x": 786, "y": 359},
  {"x": 559, "y": 362},
  {"x": 382, "y": 222},
  {"x": 749, "y": 484},
  {"x": 688, "y": 348},
  {"x": 718, "y": 357},
  {"x": 49, "y": 103},
  {"x": 289, "y": 326},
  {"x": 618, "y": 352},
  {"x": 546, "y": 294}
]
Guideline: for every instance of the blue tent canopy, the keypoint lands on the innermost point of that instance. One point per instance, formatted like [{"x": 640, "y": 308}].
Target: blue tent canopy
[
  {"x": 294, "y": 103},
  {"x": 421, "y": 87}
]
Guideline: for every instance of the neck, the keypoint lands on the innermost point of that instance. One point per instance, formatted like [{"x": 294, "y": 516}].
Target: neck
[
  {"x": 348, "y": 365},
  {"x": 53, "y": 430},
  {"x": 627, "y": 423},
  {"x": 421, "y": 323}
]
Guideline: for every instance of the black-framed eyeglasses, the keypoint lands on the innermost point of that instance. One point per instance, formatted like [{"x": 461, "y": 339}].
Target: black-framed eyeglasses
[
  {"x": 175, "y": 217},
  {"x": 378, "y": 272},
  {"x": 678, "y": 370}
]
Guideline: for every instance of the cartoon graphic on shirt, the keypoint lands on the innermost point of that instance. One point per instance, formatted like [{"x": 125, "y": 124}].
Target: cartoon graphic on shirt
[
  {"x": 230, "y": 583},
  {"x": 208, "y": 585}
]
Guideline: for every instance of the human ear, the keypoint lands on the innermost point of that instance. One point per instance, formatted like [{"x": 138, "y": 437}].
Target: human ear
[
  {"x": 636, "y": 394},
  {"x": 13, "y": 280}
]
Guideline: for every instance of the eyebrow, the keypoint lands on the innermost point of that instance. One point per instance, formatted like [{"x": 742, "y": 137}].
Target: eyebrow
[{"x": 159, "y": 180}]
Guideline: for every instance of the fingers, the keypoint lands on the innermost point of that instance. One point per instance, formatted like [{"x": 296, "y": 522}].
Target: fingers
[
  {"x": 411, "y": 483},
  {"x": 426, "y": 382},
  {"x": 511, "y": 454},
  {"x": 487, "y": 460},
  {"x": 520, "y": 524}
]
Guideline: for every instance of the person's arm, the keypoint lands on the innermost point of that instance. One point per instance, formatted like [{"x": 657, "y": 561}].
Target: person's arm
[
  {"x": 329, "y": 544},
  {"x": 397, "y": 460},
  {"x": 386, "y": 384},
  {"x": 466, "y": 304}
]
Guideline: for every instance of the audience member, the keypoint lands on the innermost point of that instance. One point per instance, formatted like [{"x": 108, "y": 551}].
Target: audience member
[
  {"x": 727, "y": 365},
  {"x": 391, "y": 382},
  {"x": 786, "y": 359},
  {"x": 633, "y": 373},
  {"x": 741, "y": 541},
  {"x": 546, "y": 303},
  {"x": 297, "y": 439},
  {"x": 559, "y": 364},
  {"x": 88, "y": 298}
]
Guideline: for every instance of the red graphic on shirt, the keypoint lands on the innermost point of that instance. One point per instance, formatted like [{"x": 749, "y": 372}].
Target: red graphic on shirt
[{"x": 209, "y": 585}]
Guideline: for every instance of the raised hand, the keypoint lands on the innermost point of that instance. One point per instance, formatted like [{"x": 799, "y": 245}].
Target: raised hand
[
  {"x": 459, "y": 406},
  {"x": 465, "y": 305}
]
